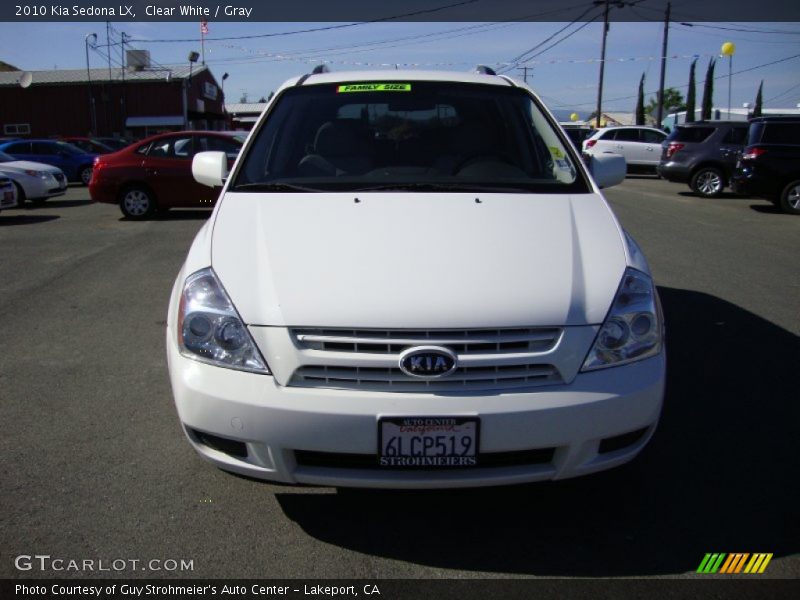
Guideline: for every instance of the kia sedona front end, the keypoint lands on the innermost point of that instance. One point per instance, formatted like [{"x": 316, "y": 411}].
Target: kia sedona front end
[{"x": 413, "y": 282}]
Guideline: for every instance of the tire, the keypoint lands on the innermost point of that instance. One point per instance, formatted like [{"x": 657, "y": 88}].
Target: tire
[
  {"x": 708, "y": 182},
  {"x": 85, "y": 175},
  {"x": 137, "y": 203},
  {"x": 790, "y": 198}
]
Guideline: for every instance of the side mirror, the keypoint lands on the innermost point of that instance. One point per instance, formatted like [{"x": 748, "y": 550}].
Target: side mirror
[
  {"x": 210, "y": 168},
  {"x": 607, "y": 169}
]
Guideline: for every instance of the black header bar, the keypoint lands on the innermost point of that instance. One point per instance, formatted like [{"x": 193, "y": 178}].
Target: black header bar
[{"x": 392, "y": 10}]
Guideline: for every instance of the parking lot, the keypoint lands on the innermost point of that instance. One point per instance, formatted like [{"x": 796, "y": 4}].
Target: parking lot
[{"x": 94, "y": 464}]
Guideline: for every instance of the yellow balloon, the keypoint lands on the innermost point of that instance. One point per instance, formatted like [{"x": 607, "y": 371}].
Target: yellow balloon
[
  {"x": 574, "y": 117},
  {"x": 728, "y": 48}
]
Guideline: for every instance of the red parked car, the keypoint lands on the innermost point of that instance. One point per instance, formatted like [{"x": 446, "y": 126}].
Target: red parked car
[{"x": 156, "y": 173}]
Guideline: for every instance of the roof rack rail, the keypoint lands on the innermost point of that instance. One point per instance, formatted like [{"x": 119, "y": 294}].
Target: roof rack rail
[
  {"x": 323, "y": 68},
  {"x": 484, "y": 70}
]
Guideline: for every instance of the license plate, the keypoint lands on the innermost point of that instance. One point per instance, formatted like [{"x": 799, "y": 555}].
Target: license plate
[{"x": 420, "y": 442}]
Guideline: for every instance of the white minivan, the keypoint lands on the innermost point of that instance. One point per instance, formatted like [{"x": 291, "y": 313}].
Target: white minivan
[{"x": 411, "y": 280}]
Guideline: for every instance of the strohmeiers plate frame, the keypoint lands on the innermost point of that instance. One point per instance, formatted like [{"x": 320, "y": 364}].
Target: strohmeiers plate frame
[{"x": 384, "y": 461}]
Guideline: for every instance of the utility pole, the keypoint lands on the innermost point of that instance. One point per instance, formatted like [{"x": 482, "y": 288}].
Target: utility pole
[
  {"x": 92, "y": 113},
  {"x": 107, "y": 87},
  {"x": 108, "y": 49},
  {"x": 524, "y": 72},
  {"x": 123, "y": 97},
  {"x": 602, "y": 63},
  {"x": 660, "y": 111}
]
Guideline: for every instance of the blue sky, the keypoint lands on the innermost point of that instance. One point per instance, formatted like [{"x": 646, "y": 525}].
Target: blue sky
[{"x": 565, "y": 75}]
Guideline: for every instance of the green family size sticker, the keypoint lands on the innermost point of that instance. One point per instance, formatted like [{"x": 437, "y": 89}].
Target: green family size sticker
[{"x": 374, "y": 87}]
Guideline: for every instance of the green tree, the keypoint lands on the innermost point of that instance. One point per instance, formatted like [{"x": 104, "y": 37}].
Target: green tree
[
  {"x": 673, "y": 100},
  {"x": 759, "y": 100},
  {"x": 708, "y": 92},
  {"x": 691, "y": 94},
  {"x": 640, "y": 103}
]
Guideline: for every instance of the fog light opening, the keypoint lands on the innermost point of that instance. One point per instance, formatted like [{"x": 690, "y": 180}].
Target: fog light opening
[{"x": 619, "y": 442}]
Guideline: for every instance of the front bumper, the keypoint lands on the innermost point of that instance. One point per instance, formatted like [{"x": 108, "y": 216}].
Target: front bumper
[
  {"x": 36, "y": 187},
  {"x": 8, "y": 197},
  {"x": 280, "y": 425}
]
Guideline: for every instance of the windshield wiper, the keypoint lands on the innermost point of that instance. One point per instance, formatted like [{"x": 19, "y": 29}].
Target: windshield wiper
[
  {"x": 439, "y": 187},
  {"x": 273, "y": 186}
]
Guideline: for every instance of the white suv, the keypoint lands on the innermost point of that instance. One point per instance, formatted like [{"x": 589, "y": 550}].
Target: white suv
[
  {"x": 411, "y": 280},
  {"x": 640, "y": 146}
]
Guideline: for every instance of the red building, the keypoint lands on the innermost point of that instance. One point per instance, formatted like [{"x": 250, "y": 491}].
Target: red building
[{"x": 131, "y": 102}]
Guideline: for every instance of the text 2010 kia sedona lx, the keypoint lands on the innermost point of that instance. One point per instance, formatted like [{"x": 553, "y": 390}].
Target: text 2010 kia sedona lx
[{"x": 411, "y": 280}]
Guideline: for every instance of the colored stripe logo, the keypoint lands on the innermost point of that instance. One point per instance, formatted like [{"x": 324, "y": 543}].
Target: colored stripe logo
[
  {"x": 374, "y": 87},
  {"x": 737, "y": 562}
]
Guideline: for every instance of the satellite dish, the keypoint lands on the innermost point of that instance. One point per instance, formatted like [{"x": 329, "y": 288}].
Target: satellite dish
[{"x": 25, "y": 80}]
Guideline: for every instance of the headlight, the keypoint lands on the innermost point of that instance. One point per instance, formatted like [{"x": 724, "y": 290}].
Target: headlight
[
  {"x": 633, "y": 329},
  {"x": 210, "y": 330},
  {"x": 40, "y": 174}
]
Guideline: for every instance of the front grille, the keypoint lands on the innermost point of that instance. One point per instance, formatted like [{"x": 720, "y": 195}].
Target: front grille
[
  {"x": 461, "y": 341},
  {"x": 394, "y": 380},
  {"x": 338, "y": 460},
  {"x": 368, "y": 359}
]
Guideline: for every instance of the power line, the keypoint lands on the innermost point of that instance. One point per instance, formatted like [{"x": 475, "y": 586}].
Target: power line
[
  {"x": 425, "y": 37},
  {"x": 514, "y": 62},
  {"x": 770, "y": 31},
  {"x": 795, "y": 86},
  {"x": 350, "y": 48},
  {"x": 557, "y": 42},
  {"x": 313, "y": 29}
]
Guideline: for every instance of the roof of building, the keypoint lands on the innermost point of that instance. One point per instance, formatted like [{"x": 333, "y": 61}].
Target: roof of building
[
  {"x": 160, "y": 73},
  {"x": 245, "y": 108}
]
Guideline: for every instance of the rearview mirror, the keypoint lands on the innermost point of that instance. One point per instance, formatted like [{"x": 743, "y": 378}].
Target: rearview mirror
[
  {"x": 607, "y": 169},
  {"x": 210, "y": 168}
]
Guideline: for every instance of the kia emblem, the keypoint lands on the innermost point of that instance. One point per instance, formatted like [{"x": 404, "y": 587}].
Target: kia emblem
[{"x": 428, "y": 362}]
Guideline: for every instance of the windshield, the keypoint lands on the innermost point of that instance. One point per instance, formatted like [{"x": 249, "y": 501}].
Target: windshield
[
  {"x": 398, "y": 135},
  {"x": 6, "y": 158}
]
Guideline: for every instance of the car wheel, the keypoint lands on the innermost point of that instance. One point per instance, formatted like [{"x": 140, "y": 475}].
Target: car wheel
[
  {"x": 790, "y": 198},
  {"x": 708, "y": 182},
  {"x": 85, "y": 175},
  {"x": 137, "y": 203}
]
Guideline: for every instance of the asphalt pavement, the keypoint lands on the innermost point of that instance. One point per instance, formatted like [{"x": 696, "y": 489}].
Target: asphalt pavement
[{"x": 94, "y": 464}]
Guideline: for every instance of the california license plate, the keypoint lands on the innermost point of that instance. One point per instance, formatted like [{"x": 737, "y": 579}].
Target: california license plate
[{"x": 420, "y": 442}]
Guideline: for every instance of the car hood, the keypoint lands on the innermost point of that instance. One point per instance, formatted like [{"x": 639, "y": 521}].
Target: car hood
[
  {"x": 19, "y": 166},
  {"x": 400, "y": 260}
]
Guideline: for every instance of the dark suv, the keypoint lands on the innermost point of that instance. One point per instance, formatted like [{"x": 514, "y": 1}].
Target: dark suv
[
  {"x": 770, "y": 164},
  {"x": 703, "y": 154}
]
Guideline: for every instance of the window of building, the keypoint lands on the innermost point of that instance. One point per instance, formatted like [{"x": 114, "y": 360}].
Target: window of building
[{"x": 16, "y": 129}]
